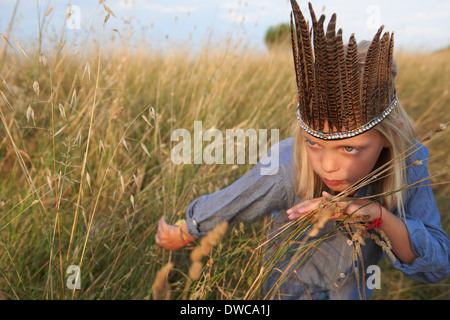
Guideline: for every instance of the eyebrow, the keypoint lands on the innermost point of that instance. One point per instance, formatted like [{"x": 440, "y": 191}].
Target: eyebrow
[
  {"x": 353, "y": 145},
  {"x": 340, "y": 145}
]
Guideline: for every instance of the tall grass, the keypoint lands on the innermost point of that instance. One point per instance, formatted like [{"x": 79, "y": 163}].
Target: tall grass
[{"x": 86, "y": 170}]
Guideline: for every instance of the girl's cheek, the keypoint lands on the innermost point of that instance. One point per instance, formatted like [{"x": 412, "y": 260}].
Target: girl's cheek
[{"x": 360, "y": 171}]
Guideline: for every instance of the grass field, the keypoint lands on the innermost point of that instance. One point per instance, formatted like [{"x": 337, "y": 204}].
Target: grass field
[{"x": 86, "y": 170}]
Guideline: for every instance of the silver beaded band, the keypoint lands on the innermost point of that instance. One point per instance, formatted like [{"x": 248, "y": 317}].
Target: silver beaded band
[{"x": 348, "y": 133}]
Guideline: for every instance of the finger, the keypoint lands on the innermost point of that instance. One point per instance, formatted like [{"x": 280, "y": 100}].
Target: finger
[
  {"x": 294, "y": 208},
  {"x": 338, "y": 216},
  {"x": 326, "y": 195},
  {"x": 157, "y": 239},
  {"x": 344, "y": 206},
  {"x": 308, "y": 205},
  {"x": 303, "y": 208},
  {"x": 162, "y": 224}
]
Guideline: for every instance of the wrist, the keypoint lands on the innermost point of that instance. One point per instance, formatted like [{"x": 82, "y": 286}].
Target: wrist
[
  {"x": 183, "y": 233},
  {"x": 376, "y": 216}
]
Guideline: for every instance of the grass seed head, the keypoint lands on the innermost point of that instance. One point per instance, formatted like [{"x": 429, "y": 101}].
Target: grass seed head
[
  {"x": 204, "y": 248},
  {"x": 161, "y": 286}
]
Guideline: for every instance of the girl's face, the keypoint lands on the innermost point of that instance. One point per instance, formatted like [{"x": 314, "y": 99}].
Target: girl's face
[{"x": 341, "y": 163}]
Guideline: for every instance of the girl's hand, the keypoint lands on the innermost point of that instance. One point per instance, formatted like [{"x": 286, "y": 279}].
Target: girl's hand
[
  {"x": 360, "y": 207},
  {"x": 303, "y": 208},
  {"x": 168, "y": 236},
  {"x": 394, "y": 227}
]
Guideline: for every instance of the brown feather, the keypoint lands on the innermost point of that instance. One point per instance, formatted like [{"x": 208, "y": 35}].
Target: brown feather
[
  {"x": 333, "y": 77},
  {"x": 305, "y": 58},
  {"x": 343, "y": 102},
  {"x": 351, "y": 59},
  {"x": 370, "y": 78},
  {"x": 296, "y": 65},
  {"x": 320, "y": 54},
  {"x": 391, "y": 61},
  {"x": 383, "y": 73}
]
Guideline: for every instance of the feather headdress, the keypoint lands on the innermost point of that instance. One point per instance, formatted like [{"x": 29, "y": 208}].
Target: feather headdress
[{"x": 331, "y": 87}]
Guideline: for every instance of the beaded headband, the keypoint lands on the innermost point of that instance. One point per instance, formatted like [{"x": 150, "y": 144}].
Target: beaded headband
[
  {"x": 348, "y": 133},
  {"x": 332, "y": 86}
]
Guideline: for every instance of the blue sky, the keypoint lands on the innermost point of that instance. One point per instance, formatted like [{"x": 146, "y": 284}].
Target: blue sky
[{"x": 417, "y": 24}]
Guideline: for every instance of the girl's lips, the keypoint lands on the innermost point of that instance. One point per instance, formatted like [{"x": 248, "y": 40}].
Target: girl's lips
[{"x": 332, "y": 182}]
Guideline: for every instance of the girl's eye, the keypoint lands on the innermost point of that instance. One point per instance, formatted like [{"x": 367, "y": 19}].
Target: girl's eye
[
  {"x": 349, "y": 149},
  {"x": 311, "y": 143}
]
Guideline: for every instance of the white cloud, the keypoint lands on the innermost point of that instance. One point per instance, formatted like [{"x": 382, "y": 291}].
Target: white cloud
[
  {"x": 157, "y": 8},
  {"x": 169, "y": 9},
  {"x": 424, "y": 16},
  {"x": 252, "y": 11}
]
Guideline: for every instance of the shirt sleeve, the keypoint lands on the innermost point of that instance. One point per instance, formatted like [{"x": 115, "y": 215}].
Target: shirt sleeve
[
  {"x": 260, "y": 191},
  {"x": 429, "y": 241}
]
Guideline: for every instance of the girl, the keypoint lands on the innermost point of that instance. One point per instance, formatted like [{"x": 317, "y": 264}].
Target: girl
[{"x": 350, "y": 124}]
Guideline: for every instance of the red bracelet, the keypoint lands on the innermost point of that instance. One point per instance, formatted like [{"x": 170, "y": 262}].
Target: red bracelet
[{"x": 376, "y": 222}]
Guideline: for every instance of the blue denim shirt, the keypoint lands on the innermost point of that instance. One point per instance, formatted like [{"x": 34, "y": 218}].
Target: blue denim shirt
[{"x": 330, "y": 269}]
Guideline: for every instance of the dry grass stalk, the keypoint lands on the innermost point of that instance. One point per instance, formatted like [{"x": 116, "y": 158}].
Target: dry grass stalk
[
  {"x": 204, "y": 248},
  {"x": 357, "y": 237},
  {"x": 327, "y": 209},
  {"x": 383, "y": 245},
  {"x": 384, "y": 242},
  {"x": 161, "y": 287},
  {"x": 385, "y": 238},
  {"x": 195, "y": 270},
  {"x": 206, "y": 244},
  {"x": 324, "y": 216}
]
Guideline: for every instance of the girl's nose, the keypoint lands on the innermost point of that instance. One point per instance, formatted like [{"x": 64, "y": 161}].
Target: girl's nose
[{"x": 329, "y": 163}]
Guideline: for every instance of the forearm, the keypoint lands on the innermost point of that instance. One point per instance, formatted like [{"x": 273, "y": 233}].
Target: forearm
[{"x": 395, "y": 229}]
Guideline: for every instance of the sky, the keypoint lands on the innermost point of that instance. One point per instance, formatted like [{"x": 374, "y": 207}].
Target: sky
[{"x": 418, "y": 25}]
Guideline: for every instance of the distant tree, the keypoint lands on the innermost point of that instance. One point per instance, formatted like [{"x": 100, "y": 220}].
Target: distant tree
[{"x": 279, "y": 35}]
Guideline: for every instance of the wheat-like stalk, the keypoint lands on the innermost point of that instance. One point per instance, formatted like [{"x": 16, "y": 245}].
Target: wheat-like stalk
[
  {"x": 161, "y": 286},
  {"x": 203, "y": 249}
]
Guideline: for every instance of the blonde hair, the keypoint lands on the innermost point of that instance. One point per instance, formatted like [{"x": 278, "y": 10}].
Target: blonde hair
[{"x": 399, "y": 131}]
